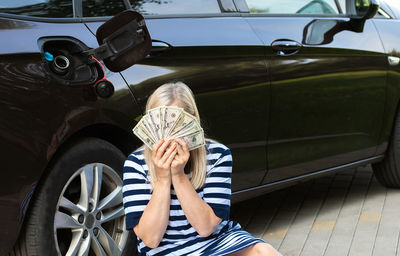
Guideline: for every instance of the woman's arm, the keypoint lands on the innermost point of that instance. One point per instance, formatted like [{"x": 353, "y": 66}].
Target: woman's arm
[
  {"x": 199, "y": 214},
  {"x": 153, "y": 223}
]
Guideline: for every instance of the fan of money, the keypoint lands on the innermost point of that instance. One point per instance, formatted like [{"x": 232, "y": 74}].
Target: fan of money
[{"x": 169, "y": 122}]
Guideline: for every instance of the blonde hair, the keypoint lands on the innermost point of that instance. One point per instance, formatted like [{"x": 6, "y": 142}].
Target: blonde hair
[{"x": 165, "y": 95}]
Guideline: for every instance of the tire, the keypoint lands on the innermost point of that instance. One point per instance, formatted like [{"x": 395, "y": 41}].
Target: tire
[
  {"x": 82, "y": 223},
  {"x": 387, "y": 172}
]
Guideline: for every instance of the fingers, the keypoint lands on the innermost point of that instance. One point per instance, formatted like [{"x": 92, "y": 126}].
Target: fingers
[
  {"x": 182, "y": 143},
  {"x": 168, "y": 152},
  {"x": 161, "y": 149},
  {"x": 171, "y": 157},
  {"x": 183, "y": 150},
  {"x": 155, "y": 147}
]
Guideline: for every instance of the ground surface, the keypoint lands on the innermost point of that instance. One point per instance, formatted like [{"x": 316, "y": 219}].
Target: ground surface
[{"x": 347, "y": 213}]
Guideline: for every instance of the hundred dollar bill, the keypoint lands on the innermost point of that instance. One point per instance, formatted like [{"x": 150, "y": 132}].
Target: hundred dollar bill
[
  {"x": 155, "y": 117},
  {"x": 162, "y": 114},
  {"x": 139, "y": 131},
  {"x": 148, "y": 126},
  {"x": 194, "y": 140},
  {"x": 184, "y": 119},
  {"x": 171, "y": 115},
  {"x": 190, "y": 128}
]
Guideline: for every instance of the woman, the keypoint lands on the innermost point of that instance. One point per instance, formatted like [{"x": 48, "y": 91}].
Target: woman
[{"x": 176, "y": 201}]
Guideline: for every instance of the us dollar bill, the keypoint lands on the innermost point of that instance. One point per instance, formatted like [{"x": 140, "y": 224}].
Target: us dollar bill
[
  {"x": 155, "y": 117},
  {"x": 141, "y": 133},
  {"x": 171, "y": 115},
  {"x": 169, "y": 122},
  {"x": 184, "y": 120},
  {"x": 194, "y": 140},
  {"x": 148, "y": 126},
  {"x": 190, "y": 128}
]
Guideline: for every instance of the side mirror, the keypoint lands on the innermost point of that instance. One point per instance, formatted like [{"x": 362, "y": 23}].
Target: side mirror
[
  {"x": 124, "y": 40},
  {"x": 362, "y": 9}
]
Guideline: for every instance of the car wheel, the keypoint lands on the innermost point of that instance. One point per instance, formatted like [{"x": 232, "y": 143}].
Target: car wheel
[
  {"x": 387, "y": 172},
  {"x": 78, "y": 209}
]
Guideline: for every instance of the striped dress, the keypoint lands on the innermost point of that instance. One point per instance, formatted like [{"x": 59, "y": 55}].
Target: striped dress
[{"x": 180, "y": 237}]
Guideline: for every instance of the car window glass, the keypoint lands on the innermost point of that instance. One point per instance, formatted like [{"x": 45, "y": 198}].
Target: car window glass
[
  {"x": 175, "y": 6},
  {"x": 342, "y": 4},
  {"x": 38, "y": 8},
  {"x": 94, "y": 8},
  {"x": 293, "y": 6}
]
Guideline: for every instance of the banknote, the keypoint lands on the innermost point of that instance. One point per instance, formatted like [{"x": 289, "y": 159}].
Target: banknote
[
  {"x": 171, "y": 115},
  {"x": 194, "y": 140},
  {"x": 141, "y": 133},
  {"x": 184, "y": 120},
  {"x": 147, "y": 123},
  {"x": 190, "y": 128},
  {"x": 155, "y": 115},
  {"x": 167, "y": 122}
]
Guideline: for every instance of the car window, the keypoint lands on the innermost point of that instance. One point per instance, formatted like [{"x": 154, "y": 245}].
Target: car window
[
  {"x": 38, "y": 8},
  {"x": 95, "y": 8},
  {"x": 319, "y": 7},
  {"x": 175, "y": 6},
  {"x": 342, "y": 4}
]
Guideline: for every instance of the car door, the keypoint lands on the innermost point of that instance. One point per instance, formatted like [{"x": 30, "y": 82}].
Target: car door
[
  {"x": 222, "y": 60},
  {"x": 33, "y": 103},
  {"x": 327, "y": 85}
]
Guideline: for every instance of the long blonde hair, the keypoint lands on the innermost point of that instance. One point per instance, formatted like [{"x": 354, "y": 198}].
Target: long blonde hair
[{"x": 165, "y": 95}]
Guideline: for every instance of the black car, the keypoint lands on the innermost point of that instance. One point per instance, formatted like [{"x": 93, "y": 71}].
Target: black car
[{"x": 295, "y": 88}]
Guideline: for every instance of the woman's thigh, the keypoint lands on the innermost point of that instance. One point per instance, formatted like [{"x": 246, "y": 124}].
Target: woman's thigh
[{"x": 263, "y": 249}]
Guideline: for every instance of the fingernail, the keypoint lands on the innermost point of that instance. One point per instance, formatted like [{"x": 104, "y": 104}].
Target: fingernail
[
  {"x": 176, "y": 149},
  {"x": 162, "y": 139}
]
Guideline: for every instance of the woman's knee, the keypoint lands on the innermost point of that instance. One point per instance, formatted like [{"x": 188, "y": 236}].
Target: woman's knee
[{"x": 265, "y": 249}]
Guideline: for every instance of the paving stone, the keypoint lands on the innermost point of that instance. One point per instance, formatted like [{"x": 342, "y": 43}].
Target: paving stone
[
  {"x": 347, "y": 213},
  {"x": 302, "y": 224},
  {"x": 265, "y": 213},
  {"x": 277, "y": 230},
  {"x": 368, "y": 221},
  {"x": 387, "y": 239},
  {"x": 341, "y": 238},
  {"x": 326, "y": 219},
  {"x": 244, "y": 211},
  {"x": 326, "y": 225}
]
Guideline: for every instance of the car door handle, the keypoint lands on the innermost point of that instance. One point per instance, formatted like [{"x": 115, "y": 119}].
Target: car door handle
[
  {"x": 158, "y": 46},
  {"x": 285, "y": 47}
]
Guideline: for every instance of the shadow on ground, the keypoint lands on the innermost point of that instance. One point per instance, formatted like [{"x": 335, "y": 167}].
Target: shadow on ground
[{"x": 347, "y": 213}]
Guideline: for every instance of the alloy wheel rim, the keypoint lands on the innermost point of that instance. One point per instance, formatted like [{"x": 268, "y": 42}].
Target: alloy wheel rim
[{"x": 89, "y": 217}]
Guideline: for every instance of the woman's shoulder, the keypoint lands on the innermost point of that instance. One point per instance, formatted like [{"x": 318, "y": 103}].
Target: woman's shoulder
[
  {"x": 136, "y": 161},
  {"x": 137, "y": 155},
  {"x": 216, "y": 147},
  {"x": 217, "y": 153}
]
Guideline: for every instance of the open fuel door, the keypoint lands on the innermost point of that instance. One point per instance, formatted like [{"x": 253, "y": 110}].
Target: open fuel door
[{"x": 123, "y": 41}]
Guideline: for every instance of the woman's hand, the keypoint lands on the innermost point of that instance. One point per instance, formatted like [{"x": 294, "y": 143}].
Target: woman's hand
[
  {"x": 162, "y": 157},
  {"x": 181, "y": 158}
]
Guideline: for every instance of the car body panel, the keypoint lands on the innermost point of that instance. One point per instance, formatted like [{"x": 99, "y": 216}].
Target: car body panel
[
  {"x": 39, "y": 115},
  {"x": 225, "y": 67},
  {"x": 391, "y": 43},
  {"x": 327, "y": 99}
]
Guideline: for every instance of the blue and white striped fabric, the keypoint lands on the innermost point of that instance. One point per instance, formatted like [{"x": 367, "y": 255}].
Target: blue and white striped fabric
[{"x": 180, "y": 237}]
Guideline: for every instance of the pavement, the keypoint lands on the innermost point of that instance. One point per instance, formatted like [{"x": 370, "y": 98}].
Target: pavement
[{"x": 346, "y": 213}]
